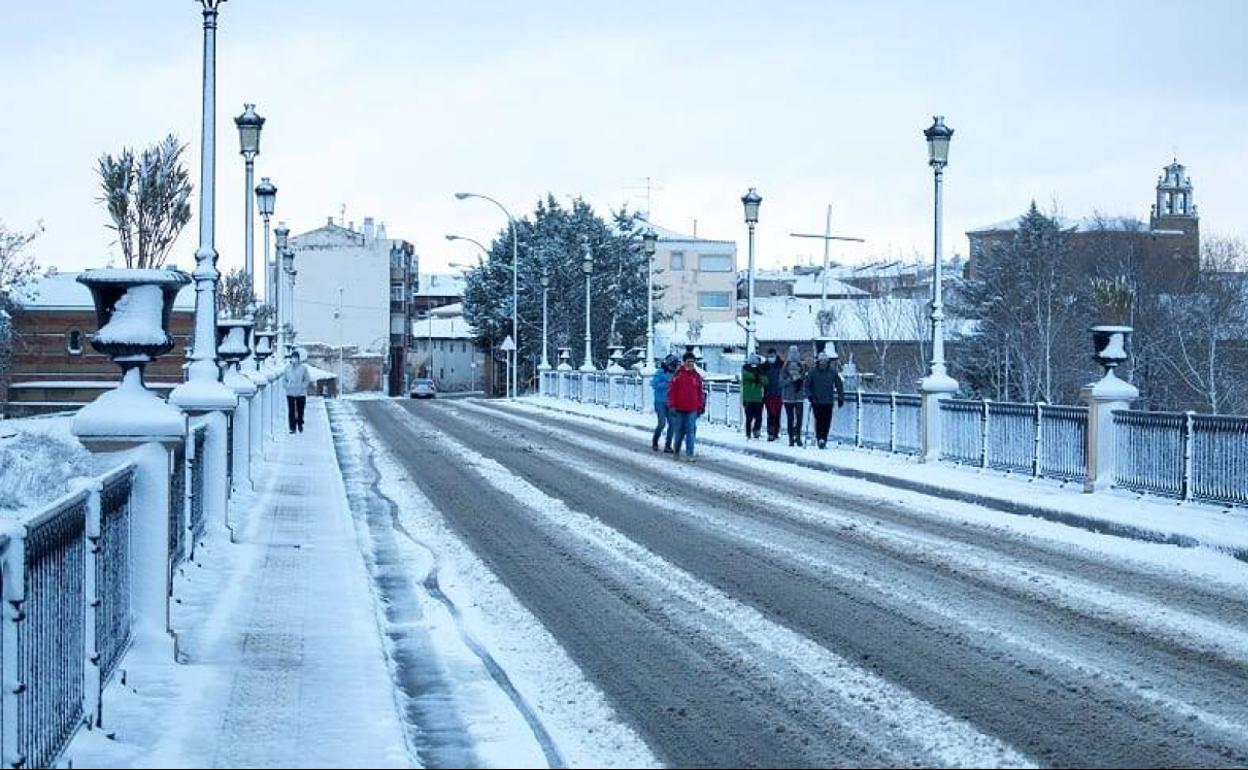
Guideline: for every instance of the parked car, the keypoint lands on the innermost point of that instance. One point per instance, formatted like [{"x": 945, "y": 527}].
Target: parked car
[{"x": 424, "y": 388}]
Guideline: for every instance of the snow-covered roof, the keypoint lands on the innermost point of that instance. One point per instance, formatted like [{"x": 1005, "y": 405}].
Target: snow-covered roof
[
  {"x": 704, "y": 245},
  {"x": 449, "y": 311},
  {"x": 786, "y": 319},
  {"x": 61, "y": 291},
  {"x": 442, "y": 329},
  {"x": 440, "y": 285},
  {"x": 1080, "y": 225}
]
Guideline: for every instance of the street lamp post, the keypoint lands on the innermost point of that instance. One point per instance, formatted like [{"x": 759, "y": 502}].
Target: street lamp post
[
  {"x": 649, "y": 244},
  {"x": 545, "y": 364},
  {"x": 249, "y": 125},
  {"x": 515, "y": 283},
  {"x": 587, "y": 267},
  {"x": 937, "y": 385},
  {"x": 751, "y": 201},
  {"x": 281, "y": 235},
  {"x": 266, "y": 197}
]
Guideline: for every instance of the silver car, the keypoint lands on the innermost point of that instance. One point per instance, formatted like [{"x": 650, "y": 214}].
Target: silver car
[{"x": 424, "y": 388}]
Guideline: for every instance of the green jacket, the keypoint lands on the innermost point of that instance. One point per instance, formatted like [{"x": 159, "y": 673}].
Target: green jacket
[{"x": 752, "y": 383}]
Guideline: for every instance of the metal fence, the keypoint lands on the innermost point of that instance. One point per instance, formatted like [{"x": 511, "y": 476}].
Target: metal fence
[
  {"x": 199, "y": 434},
  {"x": 887, "y": 421},
  {"x": 1036, "y": 439},
  {"x": 49, "y": 622},
  {"x": 1182, "y": 454},
  {"x": 723, "y": 403},
  {"x": 112, "y": 571},
  {"x": 177, "y": 508}
]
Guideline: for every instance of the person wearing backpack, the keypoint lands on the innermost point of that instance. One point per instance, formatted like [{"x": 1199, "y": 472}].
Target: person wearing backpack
[{"x": 793, "y": 393}]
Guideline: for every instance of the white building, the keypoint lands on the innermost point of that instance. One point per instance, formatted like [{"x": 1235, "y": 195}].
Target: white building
[
  {"x": 698, "y": 276},
  {"x": 353, "y": 290},
  {"x": 444, "y": 350}
]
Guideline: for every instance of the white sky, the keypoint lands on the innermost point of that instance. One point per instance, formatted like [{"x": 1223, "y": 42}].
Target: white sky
[{"x": 390, "y": 106}]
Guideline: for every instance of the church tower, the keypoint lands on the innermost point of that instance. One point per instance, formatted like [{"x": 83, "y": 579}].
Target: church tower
[{"x": 1175, "y": 224}]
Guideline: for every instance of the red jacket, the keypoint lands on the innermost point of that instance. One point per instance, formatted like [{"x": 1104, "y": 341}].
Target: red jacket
[{"x": 684, "y": 394}]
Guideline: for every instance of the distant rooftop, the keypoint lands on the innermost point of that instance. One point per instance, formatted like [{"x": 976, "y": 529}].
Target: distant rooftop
[
  {"x": 440, "y": 285},
  {"x": 1081, "y": 225}
]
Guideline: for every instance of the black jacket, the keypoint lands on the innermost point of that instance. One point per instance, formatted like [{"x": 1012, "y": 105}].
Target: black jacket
[{"x": 824, "y": 386}]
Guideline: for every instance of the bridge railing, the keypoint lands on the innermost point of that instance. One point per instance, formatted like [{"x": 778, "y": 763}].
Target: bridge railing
[
  {"x": 1182, "y": 454},
  {"x": 64, "y": 578},
  {"x": 1041, "y": 440}
]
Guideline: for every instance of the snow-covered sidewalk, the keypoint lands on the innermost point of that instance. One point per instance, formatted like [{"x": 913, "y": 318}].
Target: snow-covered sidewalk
[
  {"x": 283, "y": 660},
  {"x": 1114, "y": 512}
]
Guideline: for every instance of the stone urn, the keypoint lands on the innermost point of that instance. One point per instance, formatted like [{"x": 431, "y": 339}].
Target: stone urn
[
  {"x": 132, "y": 309},
  {"x": 1111, "y": 346},
  {"x": 616, "y": 353},
  {"x": 233, "y": 340},
  {"x": 263, "y": 345},
  {"x": 565, "y": 360}
]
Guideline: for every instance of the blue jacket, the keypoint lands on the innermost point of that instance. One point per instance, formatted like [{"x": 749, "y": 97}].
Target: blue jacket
[{"x": 659, "y": 382}]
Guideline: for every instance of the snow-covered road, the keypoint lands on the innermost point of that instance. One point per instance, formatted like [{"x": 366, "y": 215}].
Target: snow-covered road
[{"x": 743, "y": 612}]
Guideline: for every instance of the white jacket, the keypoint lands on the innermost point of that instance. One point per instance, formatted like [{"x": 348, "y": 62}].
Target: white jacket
[{"x": 297, "y": 380}]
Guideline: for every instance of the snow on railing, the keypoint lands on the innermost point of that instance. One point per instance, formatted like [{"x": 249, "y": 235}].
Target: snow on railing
[
  {"x": 177, "y": 510},
  {"x": 1036, "y": 439},
  {"x": 887, "y": 421},
  {"x": 1182, "y": 454},
  {"x": 195, "y": 495},
  {"x": 65, "y": 576},
  {"x": 723, "y": 403}
]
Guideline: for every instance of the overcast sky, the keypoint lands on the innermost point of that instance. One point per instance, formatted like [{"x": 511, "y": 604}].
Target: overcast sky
[{"x": 390, "y": 106}]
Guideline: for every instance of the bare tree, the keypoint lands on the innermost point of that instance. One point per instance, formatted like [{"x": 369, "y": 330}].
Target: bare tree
[{"x": 1206, "y": 331}]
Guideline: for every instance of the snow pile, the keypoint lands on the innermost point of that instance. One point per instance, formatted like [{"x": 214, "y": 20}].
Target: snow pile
[
  {"x": 35, "y": 469},
  {"x": 136, "y": 318},
  {"x": 235, "y": 343},
  {"x": 129, "y": 410}
]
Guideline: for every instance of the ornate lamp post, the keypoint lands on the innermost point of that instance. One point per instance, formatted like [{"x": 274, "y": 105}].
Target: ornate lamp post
[
  {"x": 751, "y": 201},
  {"x": 249, "y": 125},
  {"x": 288, "y": 267},
  {"x": 649, "y": 244},
  {"x": 515, "y": 283},
  {"x": 545, "y": 365},
  {"x": 203, "y": 396},
  {"x": 937, "y": 385},
  {"x": 266, "y": 197},
  {"x": 281, "y": 236},
  {"x": 587, "y": 267}
]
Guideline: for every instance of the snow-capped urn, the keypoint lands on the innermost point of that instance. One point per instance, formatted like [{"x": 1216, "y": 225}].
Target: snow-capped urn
[
  {"x": 565, "y": 360},
  {"x": 1111, "y": 345},
  {"x": 617, "y": 352},
  {"x": 263, "y": 344},
  {"x": 132, "y": 310},
  {"x": 233, "y": 340}
]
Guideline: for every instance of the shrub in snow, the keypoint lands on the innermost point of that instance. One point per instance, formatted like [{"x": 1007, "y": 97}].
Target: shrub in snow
[
  {"x": 148, "y": 200},
  {"x": 35, "y": 469}
]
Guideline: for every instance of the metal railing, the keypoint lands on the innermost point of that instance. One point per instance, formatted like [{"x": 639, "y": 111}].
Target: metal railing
[
  {"x": 195, "y": 495},
  {"x": 1182, "y": 454},
  {"x": 45, "y": 633},
  {"x": 1039, "y": 440},
  {"x": 887, "y": 421},
  {"x": 723, "y": 403},
  {"x": 177, "y": 509},
  {"x": 112, "y": 571}
]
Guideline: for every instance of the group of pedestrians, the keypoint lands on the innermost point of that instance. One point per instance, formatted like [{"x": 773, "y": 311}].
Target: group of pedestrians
[{"x": 770, "y": 385}]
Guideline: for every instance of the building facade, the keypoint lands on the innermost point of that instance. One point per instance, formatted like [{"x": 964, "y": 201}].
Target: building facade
[
  {"x": 698, "y": 276},
  {"x": 434, "y": 291},
  {"x": 444, "y": 350},
  {"x": 354, "y": 289},
  {"x": 1165, "y": 252},
  {"x": 53, "y": 366}
]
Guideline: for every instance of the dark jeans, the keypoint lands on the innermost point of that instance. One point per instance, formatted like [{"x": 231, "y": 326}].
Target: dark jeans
[
  {"x": 823, "y": 420},
  {"x": 753, "y": 417},
  {"x": 686, "y": 424},
  {"x": 663, "y": 417},
  {"x": 294, "y": 412},
  {"x": 773, "y": 404},
  {"x": 795, "y": 412}
]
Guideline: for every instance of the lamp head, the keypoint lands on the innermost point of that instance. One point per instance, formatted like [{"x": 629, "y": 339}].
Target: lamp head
[
  {"x": 249, "y": 125},
  {"x": 266, "y": 196},
  {"x": 751, "y": 201},
  {"x": 462, "y": 195},
  {"x": 649, "y": 242},
  {"x": 938, "y": 136}
]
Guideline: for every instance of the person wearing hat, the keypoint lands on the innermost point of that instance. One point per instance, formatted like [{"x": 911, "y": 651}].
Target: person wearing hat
[
  {"x": 659, "y": 382},
  {"x": 687, "y": 400},
  {"x": 793, "y": 393},
  {"x": 825, "y": 389},
  {"x": 753, "y": 383},
  {"x": 296, "y": 382},
  {"x": 773, "y": 392}
]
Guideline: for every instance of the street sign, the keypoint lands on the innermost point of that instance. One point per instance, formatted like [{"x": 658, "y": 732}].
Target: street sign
[{"x": 508, "y": 344}]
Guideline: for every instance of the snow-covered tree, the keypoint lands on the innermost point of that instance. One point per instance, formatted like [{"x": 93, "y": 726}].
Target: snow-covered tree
[
  {"x": 147, "y": 197},
  {"x": 550, "y": 244},
  {"x": 16, "y": 268}
]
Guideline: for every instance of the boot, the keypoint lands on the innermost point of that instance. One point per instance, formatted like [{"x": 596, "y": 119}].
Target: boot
[
  {"x": 667, "y": 448},
  {"x": 823, "y": 444},
  {"x": 654, "y": 444}
]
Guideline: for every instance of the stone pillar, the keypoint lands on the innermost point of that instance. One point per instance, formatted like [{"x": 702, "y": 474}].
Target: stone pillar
[
  {"x": 933, "y": 391},
  {"x": 132, "y": 423},
  {"x": 1103, "y": 398}
]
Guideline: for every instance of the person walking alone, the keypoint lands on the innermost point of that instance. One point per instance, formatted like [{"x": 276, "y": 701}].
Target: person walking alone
[
  {"x": 296, "y": 381},
  {"x": 686, "y": 400},
  {"x": 825, "y": 388},
  {"x": 793, "y": 393},
  {"x": 753, "y": 383},
  {"x": 773, "y": 390},
  {"x": 659, "y": 383}
]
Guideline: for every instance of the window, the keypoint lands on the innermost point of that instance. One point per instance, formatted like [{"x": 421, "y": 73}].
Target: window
[
  {"x": 678, "y": 260},
  {"x": 715, "y": 263},
  {"x": 714, "y": 300},
  {"x": 73, "y": 343},
  {"x": 396, "y": 292}
]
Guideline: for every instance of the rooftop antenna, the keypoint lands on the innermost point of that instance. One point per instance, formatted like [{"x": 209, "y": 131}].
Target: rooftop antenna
[
  {"x": 649, "y": 187},
  {"x": 827, "y": 237},
  {"x": 342, "y": 216}
]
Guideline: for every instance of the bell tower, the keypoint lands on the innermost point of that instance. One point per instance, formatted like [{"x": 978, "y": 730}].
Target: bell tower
[{"x": 1175, "y": 225}]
